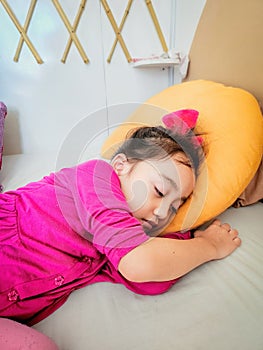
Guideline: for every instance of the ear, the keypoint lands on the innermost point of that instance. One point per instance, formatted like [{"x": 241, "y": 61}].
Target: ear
[{"x": 120, "y": 164}]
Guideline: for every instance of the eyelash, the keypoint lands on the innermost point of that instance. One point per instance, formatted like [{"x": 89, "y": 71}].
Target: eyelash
[
  {"x": 173, "y": 209},
  {"x": 160, "y": 194}
]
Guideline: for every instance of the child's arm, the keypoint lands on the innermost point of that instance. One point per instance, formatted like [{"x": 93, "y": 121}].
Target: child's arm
[{"x": 164, "y": 259}]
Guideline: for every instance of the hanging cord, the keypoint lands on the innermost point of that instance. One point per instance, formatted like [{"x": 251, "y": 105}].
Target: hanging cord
[
  {"x": 172, "y": 39},
  {"x": 104, "y": 71}
]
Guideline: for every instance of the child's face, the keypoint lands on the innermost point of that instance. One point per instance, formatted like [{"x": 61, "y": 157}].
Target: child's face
[{"x": 155, "y": 189}]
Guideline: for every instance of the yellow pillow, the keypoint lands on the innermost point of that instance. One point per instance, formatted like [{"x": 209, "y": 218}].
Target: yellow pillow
[{"x": 232, "y": 127}]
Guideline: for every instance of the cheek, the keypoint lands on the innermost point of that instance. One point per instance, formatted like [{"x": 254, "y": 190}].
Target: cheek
[
  {"x": 191, "y": 184},
  {"x": 138, "y": 195},
  {"x": 187, "y": 183}
]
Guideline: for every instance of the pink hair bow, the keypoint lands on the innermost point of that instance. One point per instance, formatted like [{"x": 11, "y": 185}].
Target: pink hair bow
[{"x": 182, "y": 121}]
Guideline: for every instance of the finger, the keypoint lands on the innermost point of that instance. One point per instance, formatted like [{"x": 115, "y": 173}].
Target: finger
[
  {"x": 237, "y": 241},
  {"x": 233, "y": 232},
  {"x": 216, "y": 222},
  {"x": 226, "y": 227}
]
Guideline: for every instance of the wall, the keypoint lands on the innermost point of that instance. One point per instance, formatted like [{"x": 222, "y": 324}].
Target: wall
[{"x": 50, "y": 101}]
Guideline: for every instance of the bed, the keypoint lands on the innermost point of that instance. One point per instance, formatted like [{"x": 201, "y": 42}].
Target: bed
[{"x": 218, "y": 305}]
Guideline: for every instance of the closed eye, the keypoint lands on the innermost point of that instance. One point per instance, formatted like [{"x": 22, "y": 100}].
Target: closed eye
[
  {"x": 160, "y": 194},
  {"x": 183, "y": 200},
  {"x": 173, "y": 209}
]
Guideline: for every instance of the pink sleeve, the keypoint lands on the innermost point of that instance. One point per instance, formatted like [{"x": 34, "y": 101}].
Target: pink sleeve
[{"x": 103, "y": 210}]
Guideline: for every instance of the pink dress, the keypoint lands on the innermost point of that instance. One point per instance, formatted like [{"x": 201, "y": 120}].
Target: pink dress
[{"x": 66, "y": 231}]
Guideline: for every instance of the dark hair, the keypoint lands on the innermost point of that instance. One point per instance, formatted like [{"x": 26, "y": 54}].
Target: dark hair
[{"x": 158, "y": 143}]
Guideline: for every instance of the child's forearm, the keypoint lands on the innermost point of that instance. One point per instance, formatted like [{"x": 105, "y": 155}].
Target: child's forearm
[{"x": 164, "y": 259}]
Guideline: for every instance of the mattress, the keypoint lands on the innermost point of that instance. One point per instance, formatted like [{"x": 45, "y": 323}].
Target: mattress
[{"x": 219, "y": 305}]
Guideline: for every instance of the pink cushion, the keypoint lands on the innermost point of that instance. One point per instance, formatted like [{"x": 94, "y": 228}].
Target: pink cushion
[{"x": 16, "y": 336}]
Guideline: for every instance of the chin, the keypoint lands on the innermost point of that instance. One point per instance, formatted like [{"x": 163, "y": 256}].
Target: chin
[
  {"x": 158, "y": 231},
  {"x": 155, "y": 232}
]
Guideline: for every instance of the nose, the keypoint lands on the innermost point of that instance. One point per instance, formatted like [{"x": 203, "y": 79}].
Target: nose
[{"x": 161, "y": 212}]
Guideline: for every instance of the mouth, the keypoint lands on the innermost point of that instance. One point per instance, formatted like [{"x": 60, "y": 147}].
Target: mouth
[
  {"x": 152, "y": 228},
  {"x": 148, "y": 225}
]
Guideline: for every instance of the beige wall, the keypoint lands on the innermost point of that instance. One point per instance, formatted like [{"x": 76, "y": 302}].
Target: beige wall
[{"x": 227, "y": 46}]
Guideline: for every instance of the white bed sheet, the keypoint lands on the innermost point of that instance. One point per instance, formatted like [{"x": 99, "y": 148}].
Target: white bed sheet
[{"x": 217, "y": 306}]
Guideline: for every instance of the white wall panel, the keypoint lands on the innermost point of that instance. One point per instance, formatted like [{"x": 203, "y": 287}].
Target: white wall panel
[
  {"x": 126, "y": 86},
  {"x": 188, "y": 14},
  {"x": 46, "y": 101}
]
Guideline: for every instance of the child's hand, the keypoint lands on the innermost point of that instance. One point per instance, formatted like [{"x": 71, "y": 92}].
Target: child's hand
[{"x": 220, "y": 237}]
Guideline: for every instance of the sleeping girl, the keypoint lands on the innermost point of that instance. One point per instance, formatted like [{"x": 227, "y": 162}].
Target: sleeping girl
[{"x": 101, "y": 221}]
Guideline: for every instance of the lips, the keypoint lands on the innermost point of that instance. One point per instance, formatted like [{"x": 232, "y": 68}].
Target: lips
[{"x": 148, "y": 224}]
